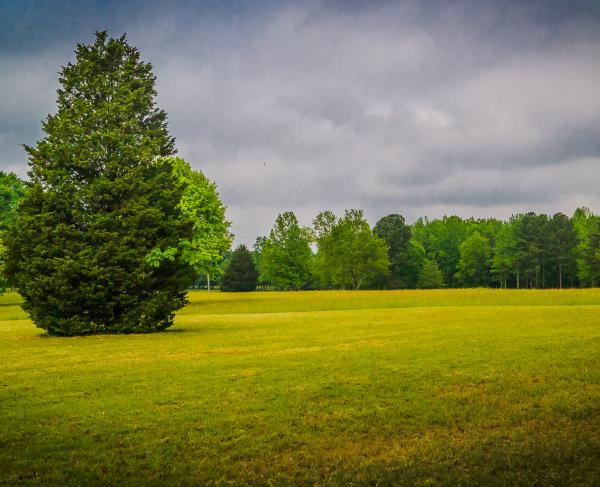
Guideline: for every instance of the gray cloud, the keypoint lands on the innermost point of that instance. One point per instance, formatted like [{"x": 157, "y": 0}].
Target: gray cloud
[{"x": 413, "y": 107}]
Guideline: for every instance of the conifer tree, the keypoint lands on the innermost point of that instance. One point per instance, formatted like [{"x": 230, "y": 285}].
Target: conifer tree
[
  {"x": 241, "y": 273},
  {"x": 100, "y": 199}
]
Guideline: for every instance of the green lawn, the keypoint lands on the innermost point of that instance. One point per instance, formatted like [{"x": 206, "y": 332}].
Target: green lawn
[{"x": 483, "y": 387}]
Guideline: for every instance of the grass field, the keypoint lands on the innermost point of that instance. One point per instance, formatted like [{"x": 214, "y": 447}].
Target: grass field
[{"x": 452, "y": 387}]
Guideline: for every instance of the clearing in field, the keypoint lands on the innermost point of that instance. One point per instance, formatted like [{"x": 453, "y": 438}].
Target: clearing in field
[{"x": 413, "y": 387}]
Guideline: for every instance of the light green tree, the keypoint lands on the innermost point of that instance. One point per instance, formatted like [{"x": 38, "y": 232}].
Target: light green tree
[
  {"x": 431, "y": 276},
  {"x": 12, "y": 190},
  {"x": 585, "y": 223},
  {"x": 398, "y": 237},
  {"x": 200, "y": 203},
  {"x": 503, "y": 260},
  {"x": 286, "y": 257},
  {"x": 475, "y": 261},
  {"x": 349, "y": 254}
]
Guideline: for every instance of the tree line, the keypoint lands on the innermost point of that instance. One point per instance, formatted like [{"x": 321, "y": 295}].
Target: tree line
[{"x": 529, "y": 250}]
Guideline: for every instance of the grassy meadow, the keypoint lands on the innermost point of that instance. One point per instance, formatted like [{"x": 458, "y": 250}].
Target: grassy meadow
[{"x": 451, "y": 387}]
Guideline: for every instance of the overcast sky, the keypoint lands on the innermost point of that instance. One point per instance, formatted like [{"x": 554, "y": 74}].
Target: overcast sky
[{"x": 420, "y": 108}]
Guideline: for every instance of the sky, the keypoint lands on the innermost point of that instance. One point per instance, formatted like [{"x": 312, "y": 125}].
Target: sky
[{"x": 423, "y": 108}]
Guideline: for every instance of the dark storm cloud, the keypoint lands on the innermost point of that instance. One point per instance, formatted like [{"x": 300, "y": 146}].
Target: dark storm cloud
[{"x": 479, "y": 108}]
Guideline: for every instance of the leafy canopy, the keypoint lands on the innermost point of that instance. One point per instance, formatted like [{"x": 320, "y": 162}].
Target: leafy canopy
[
  {"x": 404, "y": 263},
  {"x": 349, "y": 254},
  {"x": 201, "y": 204},
  {"x": 12, "y": 190},
  {"x": 475, "y": 261},
  {"x": 286, "y": 257}
]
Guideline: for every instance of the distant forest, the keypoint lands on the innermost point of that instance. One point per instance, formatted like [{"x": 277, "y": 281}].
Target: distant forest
[{"x": 528, "y": 251}]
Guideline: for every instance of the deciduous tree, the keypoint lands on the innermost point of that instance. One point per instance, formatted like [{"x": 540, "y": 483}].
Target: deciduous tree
[
  {"x": 349, "y": 254},
  {"x": 394, "y": 231},
  {"x": 431, "y": 276},
  {"x": 286, "y": 257},
  {"x": 475, "y": 261}
]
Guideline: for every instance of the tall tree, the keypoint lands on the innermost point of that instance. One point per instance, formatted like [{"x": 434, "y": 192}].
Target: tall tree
[
  {"x": 591, "y": 258},
  {"x": 530, "y": 248},
  {"x": 585, "y": 224},
  {"x": 286, "y": 256},
  {"x": 349, "y": 254},
  {"x": 394, "y": 231},
  {"x": 475, "y": 261},
  {"x": 240, "y": 273},
  {"x": 201, "y": 204},
  {"x": 503, "y": 260},
  {"x": 441, "y": 239},
  {"x": 257, "y": 253},
  {"x": 12, "y": 190},
  {"x": 101, "y": 201},
  {"x": 562, "y": 245}
]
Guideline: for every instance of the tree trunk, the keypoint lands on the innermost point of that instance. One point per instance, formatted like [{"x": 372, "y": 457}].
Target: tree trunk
[
  {"x": 559, "y": 276},
  {"x": 543, "y": 276},
  {"x": 518, "y": 283},
  {"x": 208, "y": 281}
]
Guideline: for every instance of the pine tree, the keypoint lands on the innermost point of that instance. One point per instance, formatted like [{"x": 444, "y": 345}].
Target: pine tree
[
  {"x": 99, "y": 200},
  {"x": 240, "y": 274}
]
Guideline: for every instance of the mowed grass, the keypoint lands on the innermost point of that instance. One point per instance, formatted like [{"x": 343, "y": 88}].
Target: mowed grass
[{"x": 482, "y": 387}]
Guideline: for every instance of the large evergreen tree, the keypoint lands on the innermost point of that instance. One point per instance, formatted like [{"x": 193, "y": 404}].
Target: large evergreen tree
[{"x": 100, "y": 200}]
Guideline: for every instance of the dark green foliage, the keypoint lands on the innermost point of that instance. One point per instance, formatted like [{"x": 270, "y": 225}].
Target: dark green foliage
[
  {"x": 561, "y": 247},
  {"x": 99, "y": 201},
  {"x": 241, "y": 273},
  {"x": 394, "y": 231},
  {"x": 530, "y": 253}
]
